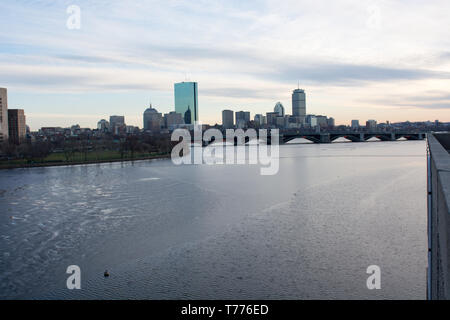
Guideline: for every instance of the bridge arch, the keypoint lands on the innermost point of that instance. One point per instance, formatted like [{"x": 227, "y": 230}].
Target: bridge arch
[
  {"x": 312, "y": 138},
  {"x": 349, "y": 137}
]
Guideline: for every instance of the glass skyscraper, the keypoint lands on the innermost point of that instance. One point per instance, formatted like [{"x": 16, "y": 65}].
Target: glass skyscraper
[{"x": 186, "y": 101}]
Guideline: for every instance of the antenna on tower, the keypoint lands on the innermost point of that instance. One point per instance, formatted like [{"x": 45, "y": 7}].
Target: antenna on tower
[{"x": 298, "y": 84}]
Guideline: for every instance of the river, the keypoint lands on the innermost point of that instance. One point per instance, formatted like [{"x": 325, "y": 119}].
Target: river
[{"x": 222, "y": 231}]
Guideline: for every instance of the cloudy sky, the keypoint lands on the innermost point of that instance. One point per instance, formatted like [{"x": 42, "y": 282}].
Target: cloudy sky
[{"x": 383, "y": 60}]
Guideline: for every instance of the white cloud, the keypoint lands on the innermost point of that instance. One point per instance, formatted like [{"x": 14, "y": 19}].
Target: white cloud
[{"x": 243, "y": 54}]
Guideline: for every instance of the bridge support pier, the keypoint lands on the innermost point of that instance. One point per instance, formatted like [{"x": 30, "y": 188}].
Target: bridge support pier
[
  {"x": 325, "y": 138},
  {"x": 362, "y": 137}
]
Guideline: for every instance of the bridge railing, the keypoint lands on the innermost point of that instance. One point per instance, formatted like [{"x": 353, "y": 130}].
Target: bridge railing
[{"x": 438, "y": 273}]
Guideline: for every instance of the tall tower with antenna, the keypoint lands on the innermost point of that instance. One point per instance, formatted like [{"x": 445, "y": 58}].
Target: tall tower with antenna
[{"x": 299, "y": 104}]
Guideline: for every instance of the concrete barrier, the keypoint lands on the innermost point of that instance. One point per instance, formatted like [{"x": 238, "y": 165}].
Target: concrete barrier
[{"x": 438, "y": 275}]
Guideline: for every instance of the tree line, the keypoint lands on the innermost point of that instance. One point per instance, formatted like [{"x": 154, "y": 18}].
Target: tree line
[{"x": 72, "y": 147}]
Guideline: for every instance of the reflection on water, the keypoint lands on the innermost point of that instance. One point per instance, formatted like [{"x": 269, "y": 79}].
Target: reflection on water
[{"x": 226, "y": 232}]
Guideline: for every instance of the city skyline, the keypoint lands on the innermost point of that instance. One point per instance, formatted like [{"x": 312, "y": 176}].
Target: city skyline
[
  {"x": 305, "y": 119},
  {"x": 361, "y": 60}
]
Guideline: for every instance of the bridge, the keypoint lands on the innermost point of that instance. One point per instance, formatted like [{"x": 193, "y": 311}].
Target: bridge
[
  {"x": 328, "y": 137},
  {"x": 353, "y": 136}
]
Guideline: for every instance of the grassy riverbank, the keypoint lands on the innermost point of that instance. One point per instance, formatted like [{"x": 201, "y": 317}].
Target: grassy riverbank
[{"x": 60, "y": 159}]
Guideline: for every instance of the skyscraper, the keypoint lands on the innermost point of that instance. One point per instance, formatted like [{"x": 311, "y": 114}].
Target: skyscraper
[
  {"x": 186, "y": 101},
  {"x": 355, "y": 124},
  {"x": 271, "y": 118},
  {"x": 371, "y": 124},
  {"x": 3, "y": 115},
  {"x": 188, "y": 116},
  {"x": 227, "y": 119},
  {"x": 173, "y": 120},
  {"x": 279, "y": 108},
  {"x": 152, "y": 120},
  {"x": 260, "y": 120},
  {"x": 117, "y": 124},
  {"x": 299, "y": 104},
  {"x": 103, "y": 125},
  {"x": 242, "y": 119},
  {"x": 243, "y": 115},
  {"x": 331, "y": 122},
  {"x": 16, "y": 126}
]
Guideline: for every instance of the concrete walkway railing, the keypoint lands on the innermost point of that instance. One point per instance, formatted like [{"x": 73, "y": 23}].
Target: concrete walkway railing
[{"x": 438, "y": 216}]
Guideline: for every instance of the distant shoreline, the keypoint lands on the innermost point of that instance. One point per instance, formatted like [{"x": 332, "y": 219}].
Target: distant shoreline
[{"x": 77, "y": 163}]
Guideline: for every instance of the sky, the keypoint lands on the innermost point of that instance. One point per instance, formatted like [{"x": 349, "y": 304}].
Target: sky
[{"x": 382, "y": 60}]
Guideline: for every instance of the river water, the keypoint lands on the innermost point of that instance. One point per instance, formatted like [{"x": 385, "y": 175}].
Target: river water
[{"x": 221, "y": 232}]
